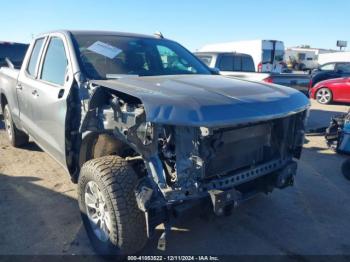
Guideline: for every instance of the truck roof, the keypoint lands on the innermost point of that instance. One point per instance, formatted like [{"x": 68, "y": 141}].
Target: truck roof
[
  {"x": 97, "y": 32},
  {"x": 218, "y": 52}
]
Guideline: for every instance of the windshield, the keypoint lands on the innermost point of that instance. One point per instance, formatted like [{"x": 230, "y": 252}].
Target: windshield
[{"x": 112, "y": 56}]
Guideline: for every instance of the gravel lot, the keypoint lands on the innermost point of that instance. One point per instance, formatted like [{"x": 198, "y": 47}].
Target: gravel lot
[{"x": 39, "y": 212}]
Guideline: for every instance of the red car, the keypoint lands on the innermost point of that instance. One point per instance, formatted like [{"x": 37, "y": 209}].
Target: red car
[{"x": 337, "y": 89}]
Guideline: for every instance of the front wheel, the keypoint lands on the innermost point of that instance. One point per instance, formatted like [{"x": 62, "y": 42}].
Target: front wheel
[
  {"x": 15, "y": 136},
  {"x": 107, "y": 201},
  {"x": 324, "y": 96}
]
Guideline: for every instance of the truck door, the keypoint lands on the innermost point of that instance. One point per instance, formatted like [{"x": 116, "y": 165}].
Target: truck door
[
  {"x": 267, "y": 57},
  {"x": 55, "y": 79},
  {"x": 25, "y": 86},
  {"x": 277, "y": 56}
]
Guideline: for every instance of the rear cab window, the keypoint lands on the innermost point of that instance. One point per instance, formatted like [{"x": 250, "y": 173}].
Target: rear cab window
[
  {"x": 225, "y": 63},
  {"x": 206, "y": 59},
  {"x": 236, "y": 62},
  {"x": 34, "y": 57},
  {"x": 13, "y": 51},
  {"x": 248, "y": 64}
]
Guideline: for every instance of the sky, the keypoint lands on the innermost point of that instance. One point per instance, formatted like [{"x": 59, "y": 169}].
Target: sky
[{"x": 318, "y": 23}]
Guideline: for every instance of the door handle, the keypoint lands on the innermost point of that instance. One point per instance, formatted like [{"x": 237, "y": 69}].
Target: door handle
[
  {"x": 19, "y": 86},
  {"x": 35, "y": 93},
  {"x": 60, "y": 93}
]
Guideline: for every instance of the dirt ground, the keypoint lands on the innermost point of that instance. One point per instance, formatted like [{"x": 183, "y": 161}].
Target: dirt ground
[{"x": 39, "y": 212}]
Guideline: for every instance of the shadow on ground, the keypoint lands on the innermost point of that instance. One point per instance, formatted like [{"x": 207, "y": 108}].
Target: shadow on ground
[
  {"x": 31, "y": 146},
  {"x": 37, "y": 220},
  {"x": 346, "y": 169}
]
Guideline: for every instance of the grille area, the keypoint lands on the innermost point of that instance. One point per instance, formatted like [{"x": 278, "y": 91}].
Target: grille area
[{"x": 228, "y": 150}]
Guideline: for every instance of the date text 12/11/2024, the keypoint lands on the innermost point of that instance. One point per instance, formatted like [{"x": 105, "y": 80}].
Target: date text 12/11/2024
[{"x": 173, "y": 258}]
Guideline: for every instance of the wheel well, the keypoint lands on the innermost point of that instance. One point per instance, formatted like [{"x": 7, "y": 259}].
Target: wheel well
[{"x": 96, "y": 145}]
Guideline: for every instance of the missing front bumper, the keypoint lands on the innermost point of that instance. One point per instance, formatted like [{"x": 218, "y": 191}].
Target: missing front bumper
[{"x": 224, "y": 200}]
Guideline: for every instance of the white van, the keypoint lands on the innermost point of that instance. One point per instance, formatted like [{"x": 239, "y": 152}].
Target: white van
[{"x": 268, "y": 55}]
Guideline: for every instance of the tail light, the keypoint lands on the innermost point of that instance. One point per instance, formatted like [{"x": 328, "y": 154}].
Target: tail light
[
  {"x": 268, "y": 79},
  {"x": 260, "y": 67}
]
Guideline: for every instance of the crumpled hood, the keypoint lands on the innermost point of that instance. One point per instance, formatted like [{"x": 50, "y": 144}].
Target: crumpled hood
[{"x": 208, "y": 100}]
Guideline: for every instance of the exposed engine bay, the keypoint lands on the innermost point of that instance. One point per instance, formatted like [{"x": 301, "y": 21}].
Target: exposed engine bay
[{"x": 186, "y": 162}]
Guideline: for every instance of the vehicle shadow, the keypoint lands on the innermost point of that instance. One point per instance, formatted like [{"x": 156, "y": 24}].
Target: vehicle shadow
[
  {"x": 319, "y": 119},
  {"x": 346, "y": 169},
  {"x": 340, "y": 104},
  {"x": 31, "y": 146},
  {"x": 38, "y": 220}
]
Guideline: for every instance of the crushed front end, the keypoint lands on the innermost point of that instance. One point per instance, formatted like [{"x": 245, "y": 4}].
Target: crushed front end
[{"x": 224, "y": 166}]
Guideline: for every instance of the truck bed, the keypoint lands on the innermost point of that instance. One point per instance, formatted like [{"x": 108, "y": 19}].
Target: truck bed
[
  {"x": 8, "y": 80},
  {"x": 296, "y": 81}
]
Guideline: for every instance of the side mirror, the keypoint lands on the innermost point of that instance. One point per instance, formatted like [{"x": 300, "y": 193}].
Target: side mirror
[{"x": 214, "y": 70}]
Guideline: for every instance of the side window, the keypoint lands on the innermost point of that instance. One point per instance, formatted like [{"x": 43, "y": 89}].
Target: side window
[
  {"x": 328, "y": 67},
  {"x": 248, "y": 64},
  {"x": 55, "y": 62},
  {"x": 301, "y": 56},
  {"x": 344, "y": 67},
  {"x": 33, "y": 61},
  {"x": 226, "y": 63},
  {"x": 237, "y": 63}
]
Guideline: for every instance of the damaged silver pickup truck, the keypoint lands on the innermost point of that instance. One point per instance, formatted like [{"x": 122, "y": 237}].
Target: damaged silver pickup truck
[{"x": 148, "y": 131}]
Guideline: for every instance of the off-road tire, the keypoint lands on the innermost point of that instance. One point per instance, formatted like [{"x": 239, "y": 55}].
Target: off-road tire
[
  {"x": 16, "y": 137},
  {"x": 117, "y": 181}
]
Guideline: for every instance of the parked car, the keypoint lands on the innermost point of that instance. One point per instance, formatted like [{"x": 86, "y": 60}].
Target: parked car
[
  {"x": 329, "y": 71},
  {"x": 13, "y": 51},
  {"x": 268, "y": 55},
  {"x": 147, "y": 131},
  {"x": 337, "y": 90}
]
